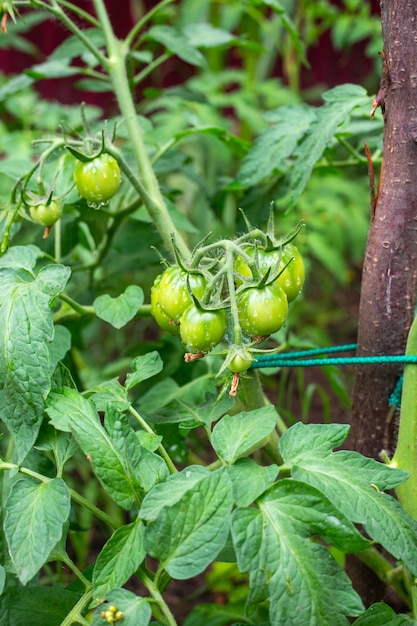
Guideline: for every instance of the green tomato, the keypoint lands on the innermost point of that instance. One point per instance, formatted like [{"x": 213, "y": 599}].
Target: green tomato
[
  {"x": 46, "y": 214},
  {"x": 262, "y": 311},
  {"x": 202, "y": 330},
  {"x": 241, "y": 362},
  {"x": 160, "y": 317},
  {"x": 292, "y": 278},
  {"x": 97, "y": 180},
  {"x": 174, "y": 296}
]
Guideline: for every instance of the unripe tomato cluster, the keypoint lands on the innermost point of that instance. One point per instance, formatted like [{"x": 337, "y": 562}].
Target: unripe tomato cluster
[
  {"x": 175, "y": 311},
  {"x": 191, "y": 304}
]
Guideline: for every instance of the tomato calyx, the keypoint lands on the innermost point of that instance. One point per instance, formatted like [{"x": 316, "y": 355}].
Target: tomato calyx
[
  {"x": 189, "y": 357},
  {"x": 87, "y": 155},
  {"x": 7, "y": 10},
  {"x": 272, "y": 243}
]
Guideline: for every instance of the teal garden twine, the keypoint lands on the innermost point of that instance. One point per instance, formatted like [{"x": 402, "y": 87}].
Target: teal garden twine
[{"x": 309, "y": 358}]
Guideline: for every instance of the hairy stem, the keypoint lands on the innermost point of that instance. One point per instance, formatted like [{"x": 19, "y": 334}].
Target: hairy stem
[
  {"x": 116, "y": 66},
  {"x": 160, "y": 449},
  {"x": 156, "y": 595}
]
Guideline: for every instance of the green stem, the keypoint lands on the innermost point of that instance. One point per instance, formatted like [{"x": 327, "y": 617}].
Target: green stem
[
  {"x": 414, "y": 598},
  {"x": 72, "y": 566},
  {"x": 359, "y": 158},
  {"x": 116, "y": 66},
  {"x": 94, "y": 509},
  {"x": 234, "y": 310},
  {"x": 140, "y": 76},
  {"x": 405, "y": 456},
  {"x": 141, "y": 23},
  {"x": 156, "y": 595},
  {"x": 80, "y": 13},
  {"x": 78, "y": 308},
  {"x": 75, "y": 615},
  {"x": 393, "y": 577},
  {"x": 251, "y": 390},
  {"x": 58, "y": 242},
  {"x": 57, "y": 12},
  {"x": 145, "y": 426},
  {"x": 74, "y": 494},
  {"x": 11, "y": 216},
  {"x": 254, "y": 398}
]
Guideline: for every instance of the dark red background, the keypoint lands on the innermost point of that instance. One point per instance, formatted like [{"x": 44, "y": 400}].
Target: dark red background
[{"x": 327, "y": 66}]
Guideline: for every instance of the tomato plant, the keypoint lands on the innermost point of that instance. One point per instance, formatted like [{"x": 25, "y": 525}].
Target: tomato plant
[
  {"x": 97, "y": 180},
  {"x": 202, "y": 330},
  {"x": 128, "y": 463},
  {"x": 263, "y": 310}
]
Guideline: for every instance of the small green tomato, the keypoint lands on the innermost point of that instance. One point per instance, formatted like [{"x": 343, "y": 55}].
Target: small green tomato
[
  {"x": 262, "y": 311},
  {"x": 202, "y": 330},
  {"x": 241, "y": 362},
  {"x": 97, "y": 180},
  {"x": 46, "y": 214},
  {"x": 160, "y": 317},
  {"x": 174, "y": 296}
]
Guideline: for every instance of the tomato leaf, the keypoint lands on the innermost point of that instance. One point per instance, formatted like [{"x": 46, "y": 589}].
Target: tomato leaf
[
  {"x": 216, "y": 615},
  {"x": 381, "y": 613},
  {"x": 237, "y": 435},
  {"x": 72, "y": 47},
  {"x": 143, "y": 367},
  {"x": 273, "y": 543},
  {"x": 168, "y": 403},
  {"x": 26, "y": 333},
  {"x": 339, "y": 103},
  {"x": 109, "y": 392},
  {"x": 114, "y": 467},
  {"x": 354, "y": 484},
  {"x": 188, "y": 535},
  {"x": 15, "y": 84},
  {"x": 21, "y": 257},
  {"x": 32, "y": 603},
  {"x": 205, "y": 35},
  {"x": 119, "y": 311},
  {"x": 60, "y": 345},
  {"x": 119, "y": 558},
  {"x": 250, "y": 480},
  {"x": 52, "y": 69},
  {"x": 171, "y": 491},
  {"x": 290, "y": 27},
  {"x": 34, "y": 520},
  {"x": 60, "y": 443},
  {"x": 176, "y": 42},
  {"x": 275, "y": 144}
]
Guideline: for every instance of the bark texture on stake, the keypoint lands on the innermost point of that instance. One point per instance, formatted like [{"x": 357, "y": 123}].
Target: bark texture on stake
[{"x": 389, "y": 280}]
